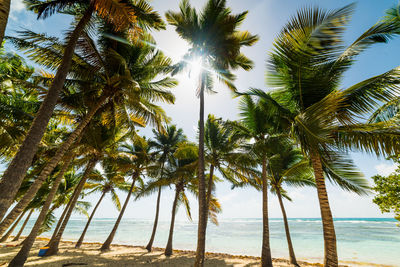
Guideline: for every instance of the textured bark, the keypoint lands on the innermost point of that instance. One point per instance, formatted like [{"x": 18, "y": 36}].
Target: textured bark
[
  {"x": 9, "y": 232},
  {"x": 153, "y": 233},
  {"x": 16, "y": 238},
  {"x": 15, "y": 172},
  {"x": 50, "y": 166},
  {"x": 79, "y": 243},
  {"x": 106, "y": 245},
  {"x": 266, "y": 259},
  {"x": 53, "y": 244},
  {"x": 209, "y": 189},
  {"x": 20, "y": 258},
  {"x": 292, "y": 256},
  {"x": 168, "y": 248},
  {"x": 202, "y": 225},
  {"x": 4, "y": 13},
  {"x": 330, "y": 251},
  {"x": 60, "y": 221}
]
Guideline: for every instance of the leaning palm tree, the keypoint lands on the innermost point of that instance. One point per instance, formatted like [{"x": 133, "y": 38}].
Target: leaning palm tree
[
  {"x": 134, "y": 159},
  {"x": 164, "y": 145},
  {"x": 4, "y": 13},
  {"x": 306, "y": 67},
  {"x": 215, "y": 40},
  {"x": 109, "y": 183},
  {"x": 122, "y": 15}
]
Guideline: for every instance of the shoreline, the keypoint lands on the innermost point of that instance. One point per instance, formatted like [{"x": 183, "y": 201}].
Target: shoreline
[{"x": 131, "y": 255}]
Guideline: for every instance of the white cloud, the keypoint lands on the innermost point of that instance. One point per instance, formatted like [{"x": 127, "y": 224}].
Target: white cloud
[
  {"x": 385, "y": 169},
  {"x": 17, "y": 5}
]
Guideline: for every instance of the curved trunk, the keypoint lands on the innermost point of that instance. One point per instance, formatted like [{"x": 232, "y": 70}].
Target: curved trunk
[
  {"x": 4, "y": 12},
  {"x": 53, "y": 244},
  {"x": 330, "y": 257},
  {"x": 30, "y": 194},
  {"x": 79, "y": 243},
  {"x": 20, "y": 258},
  {"x": 285, "y": 222},
  {"x": 106, "y": 245},
  {"x": 209, "y": 188},
  {"x": 16, "y": 238},
  {"x": 168, "y": 248},
  {"x": 153, "y": 234},
  {"x": 266, "y": 259},
  {"x": 202, "y": 225},
  {"x": 5, "y": 237},
  {"x": 15, "y": 172}
]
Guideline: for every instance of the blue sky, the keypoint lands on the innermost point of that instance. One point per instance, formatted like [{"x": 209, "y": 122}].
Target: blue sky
[{"x": 266, "y": 18}]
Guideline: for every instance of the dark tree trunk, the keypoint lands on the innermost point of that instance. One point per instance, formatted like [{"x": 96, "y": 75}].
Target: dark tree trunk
[
  {"x": 53, "y": 244},
  {"x": 60, "y": 221},
  {"x": 153, "y": 234},
  {"x": 106, "y": 245},
  {"x": 79, "y": 243},
  {"x": 285, "y": 222},
  {"x": 30, "y": 194},
  {"x": 330, "y": 258},
  {"x": 168, "y": 248},
  {"x": 20, "y": 258},
  {"x": 266, "y": 259},
  {"x": 202, "y": 225},
  {"x": 15, "y": 172},
  {"x": 4, "y": 13},
  {"x": 9, "y": 232},
  {"x": 16, "y": 238}
]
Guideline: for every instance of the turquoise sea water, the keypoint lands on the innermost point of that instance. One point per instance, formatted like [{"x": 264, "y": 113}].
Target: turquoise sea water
[{"x": 359, "y": 239}]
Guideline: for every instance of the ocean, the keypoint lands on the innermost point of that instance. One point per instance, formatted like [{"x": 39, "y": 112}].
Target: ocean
[{"x": 373, "y": 240}]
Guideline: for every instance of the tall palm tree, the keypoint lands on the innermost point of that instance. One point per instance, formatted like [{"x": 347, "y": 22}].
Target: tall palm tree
[
  {"x": 16, "y": 238},
  {"x": 122, "y": 15},
  {"x": 4, "y": 13},
  {"x": 306, "y": 66},
  {"x": 214, "y": 38},
  {"x": 111, "y": 181},
  {"x": 134, "y": 159},
  {"x": 164, "y": 144}
]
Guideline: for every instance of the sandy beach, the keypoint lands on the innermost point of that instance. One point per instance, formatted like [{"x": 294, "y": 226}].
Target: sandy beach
[{"x": 124, "y": 255}]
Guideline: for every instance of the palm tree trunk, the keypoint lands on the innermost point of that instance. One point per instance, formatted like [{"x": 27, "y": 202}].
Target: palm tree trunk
[
  {"x": 330, "y": 257},
  {"x": 106, "y": 245},
  {"x": 79, "y": 243},
  {"x": 4, "y": 12},
  {"x": 266, "y": 259},
  {"x": 168, "y": 248},
  {"x": 30, "y": 194},
  {"x": 20, "y": 258},
  {"x": 5, "y": 237},
  {"x": 285, "y": 222},
  {"x": 60, "y": 221},
  {"x": 53, "y": 245},
  {"x": 209, "y": 189},
  {"x": 14, "y": 174},
  {"x": 202, "y": 225},
  {"x": 16, "y": 238},
  {"x": 153, "y": 234}
]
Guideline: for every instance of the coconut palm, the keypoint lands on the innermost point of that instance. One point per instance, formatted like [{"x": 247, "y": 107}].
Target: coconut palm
[
  {"x": 16, "y": 238},
  {"x": 306, "y": 66},
  {"x": 111, "y": 181},
  {"x": 134, "y": 159},
  {"x": 122, "y": 15},
  {"x": 215, "y": 40},
  {"x": 164, "y": 145}
]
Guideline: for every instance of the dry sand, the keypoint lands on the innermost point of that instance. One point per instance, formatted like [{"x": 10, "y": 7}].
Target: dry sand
[{"x": 122, "y": 255}]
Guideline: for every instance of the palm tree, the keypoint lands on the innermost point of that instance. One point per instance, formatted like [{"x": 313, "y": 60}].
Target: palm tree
[
  {"x": 164, "y": 145},
  {"x": 111, "y": 181},
  {"x": 134, "y": 159},
  {"x": 121, "y": 15},
  {"x": 11, "y": 230},
  {"x": 216, "y": 41},
  {"x": 306, "y": 66},
  {"x": 16, "y": 238},
  {"x": 288, "y": 166}
]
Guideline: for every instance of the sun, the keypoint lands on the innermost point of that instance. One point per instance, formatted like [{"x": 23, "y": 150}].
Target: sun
[{"x": 195, "y": 67}]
